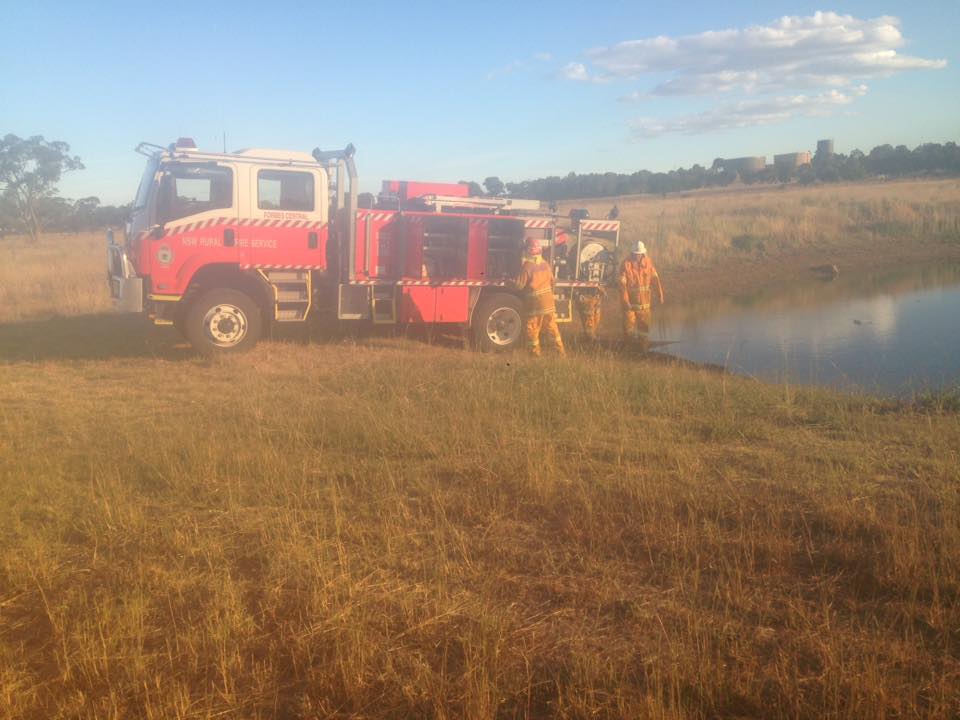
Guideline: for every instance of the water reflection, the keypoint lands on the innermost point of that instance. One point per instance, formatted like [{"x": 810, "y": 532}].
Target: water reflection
[{"x": 892, "y": 332}]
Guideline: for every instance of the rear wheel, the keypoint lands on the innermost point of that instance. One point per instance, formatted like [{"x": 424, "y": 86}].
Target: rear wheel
[
  {"x": 222, "y": 321},
  {"x": 498, "y": 323}
]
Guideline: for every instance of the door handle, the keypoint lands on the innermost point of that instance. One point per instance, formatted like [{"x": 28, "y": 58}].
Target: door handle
[{"x": 229, "y": 238}]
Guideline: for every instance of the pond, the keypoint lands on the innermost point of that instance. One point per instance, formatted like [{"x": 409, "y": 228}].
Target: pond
[{"x": 891, "y": 333}]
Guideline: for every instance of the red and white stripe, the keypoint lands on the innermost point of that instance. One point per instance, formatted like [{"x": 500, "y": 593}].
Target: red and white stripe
[
  {"x": 376, "y": 216},
  {"x": 600, "y": 225},
  {"x": 242, "y": 222},
  {"x": 260, "y": 266},
  {"x": 435, "y": 283},
  {"x": 537, "y": 223},
  {"x": 460, "y": 283}
]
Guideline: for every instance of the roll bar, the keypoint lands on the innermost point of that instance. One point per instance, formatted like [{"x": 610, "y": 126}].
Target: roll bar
[{"x": 342, "y": 161}]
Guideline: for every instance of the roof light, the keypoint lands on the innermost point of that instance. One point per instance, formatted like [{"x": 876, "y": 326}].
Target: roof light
[{"x": 186, "y": 143}]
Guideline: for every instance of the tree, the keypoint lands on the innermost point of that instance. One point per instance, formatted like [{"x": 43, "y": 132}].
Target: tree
[
  {"x": 84, "y": 215},
  {"x": 494, "y": 186},
  {"x": 473, "y": 188},
  {"x": 29, "y": 172}
]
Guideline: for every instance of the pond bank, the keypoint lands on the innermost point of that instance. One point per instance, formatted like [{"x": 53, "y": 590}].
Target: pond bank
[{"x": 748, "y": 273}]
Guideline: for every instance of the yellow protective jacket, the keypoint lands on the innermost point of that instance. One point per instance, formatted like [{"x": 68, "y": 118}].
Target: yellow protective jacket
[
  {"x": 535, "y": 281},
  {"x": 636, "y": 278}
]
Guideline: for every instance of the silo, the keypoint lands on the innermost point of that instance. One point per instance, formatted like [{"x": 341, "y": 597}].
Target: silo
[
  {"x": 824, "y": 148},
  {"x": 792, "y": 160},
  {"x": 745, "y": 164}
]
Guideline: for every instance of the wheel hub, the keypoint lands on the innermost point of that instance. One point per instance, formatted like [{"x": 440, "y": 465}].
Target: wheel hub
[
  {"x": 225, "y": 325},
  {"x": 503, "y": 326}
]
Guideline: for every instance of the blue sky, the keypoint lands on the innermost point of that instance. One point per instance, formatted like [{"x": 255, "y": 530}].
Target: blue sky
[{"x": 463, "y": 91}]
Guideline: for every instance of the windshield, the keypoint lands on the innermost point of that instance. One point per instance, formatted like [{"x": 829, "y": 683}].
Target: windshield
[{"x": 146, "y": 182}]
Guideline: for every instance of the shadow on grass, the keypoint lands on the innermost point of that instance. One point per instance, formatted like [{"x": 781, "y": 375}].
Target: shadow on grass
[
  {"x": 111, "y": 336},
  {"x": 90, "y": 337}
]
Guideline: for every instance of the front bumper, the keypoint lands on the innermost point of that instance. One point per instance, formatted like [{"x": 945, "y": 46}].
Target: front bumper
[{"x": 125, "y": 287}]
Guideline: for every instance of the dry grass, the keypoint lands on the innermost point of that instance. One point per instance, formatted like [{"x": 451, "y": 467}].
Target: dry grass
[
  {"x": 694, "y": 229},
  {"x": 59, "y": 275},
  {"x": 380, "y": 528}
]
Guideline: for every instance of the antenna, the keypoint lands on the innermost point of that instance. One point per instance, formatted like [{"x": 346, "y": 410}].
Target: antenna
[{"x": 224, "y": 142}]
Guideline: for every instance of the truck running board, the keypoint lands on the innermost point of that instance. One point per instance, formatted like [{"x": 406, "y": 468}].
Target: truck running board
[{"x": 292, "y": 293}]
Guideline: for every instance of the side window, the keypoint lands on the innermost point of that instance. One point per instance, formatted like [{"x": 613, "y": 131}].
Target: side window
[
  {"x": 191, "y": 189},
  {"x": 285, "y": 190}
]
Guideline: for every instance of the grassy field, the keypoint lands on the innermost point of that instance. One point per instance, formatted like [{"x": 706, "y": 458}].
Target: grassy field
[
  {"x": 717, "y": 243},
  {"x": 686, "y": 229},
  {"x": 383, "y": 528}
]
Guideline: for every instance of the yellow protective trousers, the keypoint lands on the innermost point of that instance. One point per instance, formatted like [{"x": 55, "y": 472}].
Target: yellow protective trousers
[
  {"x": 543, "y": 323},
  {"x": 636, "y": 322},
  {"x": 588, "y": 306}
]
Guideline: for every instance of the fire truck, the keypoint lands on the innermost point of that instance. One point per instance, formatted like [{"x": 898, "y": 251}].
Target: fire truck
[{"x": 224, "y": 245}]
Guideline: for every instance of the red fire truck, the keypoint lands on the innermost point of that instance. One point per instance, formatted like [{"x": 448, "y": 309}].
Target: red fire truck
[{"x": 223, "y": 245}]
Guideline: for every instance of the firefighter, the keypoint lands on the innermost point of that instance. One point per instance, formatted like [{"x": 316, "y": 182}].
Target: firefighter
[
  {"x": 588, "y": 307},
  {"x": 535, "y": 282},
  {"x": 637, "y": 274}
]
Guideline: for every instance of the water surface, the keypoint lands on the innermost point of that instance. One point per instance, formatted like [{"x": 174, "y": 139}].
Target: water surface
[{"x": 893, "y": 333}]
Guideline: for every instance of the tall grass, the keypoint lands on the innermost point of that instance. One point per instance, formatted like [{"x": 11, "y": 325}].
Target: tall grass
[
  {"x": 382, "y": 528},
  {"x": 387, "y": 529},
  {"x": 59, "y": 275}
]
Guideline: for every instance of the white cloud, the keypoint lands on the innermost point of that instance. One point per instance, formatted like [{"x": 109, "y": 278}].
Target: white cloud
[
  {"x": 578, "y": 71},
  {"x": 824, "y": 50},
  {"x": 574, "y": 71},
  {"x": 747, "y": 113}
]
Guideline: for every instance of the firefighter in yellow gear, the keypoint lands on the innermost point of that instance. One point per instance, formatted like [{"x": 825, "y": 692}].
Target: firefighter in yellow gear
[
  {"x": 588, "y": 307},
  {"x": 637, "y": 276},
  {"x": 535, "y": 282}
]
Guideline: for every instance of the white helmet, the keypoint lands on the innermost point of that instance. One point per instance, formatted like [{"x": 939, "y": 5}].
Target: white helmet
[{"x": 639, "y": 248}]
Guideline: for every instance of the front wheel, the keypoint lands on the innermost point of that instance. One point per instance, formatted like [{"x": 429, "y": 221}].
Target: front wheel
[
  {"x": 222, "y": 321},
  {"x": 498, "y": 323}
]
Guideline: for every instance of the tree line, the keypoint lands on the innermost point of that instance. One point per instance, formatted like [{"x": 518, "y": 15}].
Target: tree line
[
  {"x": 30, "y": 169},
  {"x": 884, "y": 161}
]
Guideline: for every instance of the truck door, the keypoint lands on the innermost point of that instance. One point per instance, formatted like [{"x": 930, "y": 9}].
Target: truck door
[
  {"x": 196, "y": 222},
  {"x": 284, "y": 224}
]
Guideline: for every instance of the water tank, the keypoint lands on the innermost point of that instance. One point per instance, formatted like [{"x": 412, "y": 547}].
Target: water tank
[
  {"x": 824, "y": 148},
  {"x": 745, "y": 164}
]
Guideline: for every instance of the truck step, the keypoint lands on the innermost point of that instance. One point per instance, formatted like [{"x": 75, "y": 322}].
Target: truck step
[
  {"x": 291, "y": 314},
  {"x": 292, "y": 293},
  {"x": 287, "y": 275}
]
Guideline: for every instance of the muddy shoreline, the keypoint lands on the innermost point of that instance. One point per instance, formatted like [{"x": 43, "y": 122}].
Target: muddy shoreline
[{"x": 743, "y": 274}]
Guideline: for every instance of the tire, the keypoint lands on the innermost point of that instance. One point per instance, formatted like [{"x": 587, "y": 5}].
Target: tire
[
  {"x": 222, "y": 321},
  {"x": 498, "y": 323}
]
